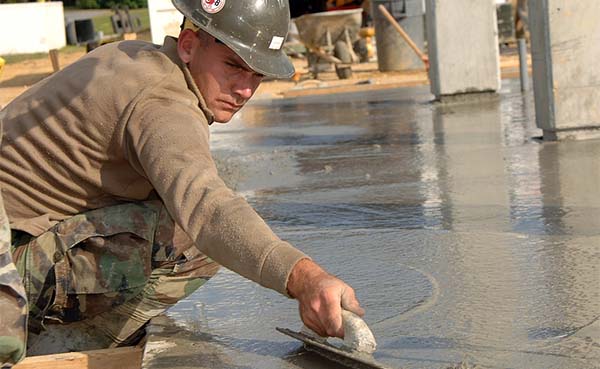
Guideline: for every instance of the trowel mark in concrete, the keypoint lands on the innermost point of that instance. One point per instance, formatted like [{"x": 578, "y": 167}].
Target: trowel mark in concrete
[{"x": 421, "y": 306}]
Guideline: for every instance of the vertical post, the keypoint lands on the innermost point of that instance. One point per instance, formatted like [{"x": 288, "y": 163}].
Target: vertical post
[
  {"x": 54, "y": 60},
  {"x": 523, "y": 68},
  {"x": 464, "y": 55},
  {"x": 564, "y": 49}
]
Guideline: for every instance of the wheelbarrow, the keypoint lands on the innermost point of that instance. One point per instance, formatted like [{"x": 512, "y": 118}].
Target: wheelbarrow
[{"x": 329, "y": 38}]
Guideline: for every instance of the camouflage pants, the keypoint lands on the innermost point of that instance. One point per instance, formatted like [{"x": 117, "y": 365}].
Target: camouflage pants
[
  {"x": 115, "y": 268},
  {"x": 13, "y": 319},
  {"x": 13, "y": 305}
]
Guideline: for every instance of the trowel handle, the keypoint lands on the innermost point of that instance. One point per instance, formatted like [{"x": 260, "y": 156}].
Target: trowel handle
[{"x": 357, "y": 335}]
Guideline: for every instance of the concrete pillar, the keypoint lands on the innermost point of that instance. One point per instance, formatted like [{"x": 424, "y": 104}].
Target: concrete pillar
[
  {"x": 463, "y": 47},
  {"x": 565, "y": 46}
]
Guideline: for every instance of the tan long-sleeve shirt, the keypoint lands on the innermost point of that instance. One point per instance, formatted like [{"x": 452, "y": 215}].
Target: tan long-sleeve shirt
[{"x": 124, "y": 120}]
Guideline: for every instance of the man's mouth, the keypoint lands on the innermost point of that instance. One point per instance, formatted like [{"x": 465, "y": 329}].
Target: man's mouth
[{"x": 232, "y": 106}]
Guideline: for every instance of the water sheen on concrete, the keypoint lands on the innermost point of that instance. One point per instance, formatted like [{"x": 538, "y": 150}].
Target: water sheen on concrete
[{"x": 467, "y": 240}]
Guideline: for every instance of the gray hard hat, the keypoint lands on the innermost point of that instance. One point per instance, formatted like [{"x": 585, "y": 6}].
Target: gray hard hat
[{"x": 254, "y": 29}]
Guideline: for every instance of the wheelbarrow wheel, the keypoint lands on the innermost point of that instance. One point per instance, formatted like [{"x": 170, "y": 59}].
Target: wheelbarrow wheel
[
  {"x": 361, "y": 48},
  {"x": 342, "y": 52}
]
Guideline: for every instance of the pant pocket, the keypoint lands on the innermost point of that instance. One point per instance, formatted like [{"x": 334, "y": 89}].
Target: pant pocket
[{"x": 103, "y": 255}]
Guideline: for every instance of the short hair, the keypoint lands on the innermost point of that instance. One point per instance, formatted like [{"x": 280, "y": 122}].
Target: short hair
[{"x": 188, "y": 24}]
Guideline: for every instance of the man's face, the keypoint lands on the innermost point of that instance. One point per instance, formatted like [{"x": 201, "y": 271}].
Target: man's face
[{"x": 224, "y": 79}]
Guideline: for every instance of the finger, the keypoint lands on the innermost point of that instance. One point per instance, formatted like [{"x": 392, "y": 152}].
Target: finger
[{"x": 350, "y": 303}]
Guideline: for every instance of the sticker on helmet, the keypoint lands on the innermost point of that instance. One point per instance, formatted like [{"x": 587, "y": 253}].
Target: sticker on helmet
[
  {"x": 213, "y": 6},
  {"x": 276, "y": 42}
]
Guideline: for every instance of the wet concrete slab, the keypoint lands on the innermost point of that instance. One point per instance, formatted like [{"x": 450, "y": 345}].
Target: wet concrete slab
[{"x": 468, "y": 240}]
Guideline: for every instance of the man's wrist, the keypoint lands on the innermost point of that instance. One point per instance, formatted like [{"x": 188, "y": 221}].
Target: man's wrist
[{"x": 303, "y": 272}]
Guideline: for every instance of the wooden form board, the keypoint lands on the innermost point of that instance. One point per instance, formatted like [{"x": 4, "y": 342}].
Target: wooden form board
[{"x": 117, "y": 358}]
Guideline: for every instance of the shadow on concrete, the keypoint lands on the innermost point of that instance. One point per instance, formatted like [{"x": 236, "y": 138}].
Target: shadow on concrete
[{"x": 24, "y": 80}]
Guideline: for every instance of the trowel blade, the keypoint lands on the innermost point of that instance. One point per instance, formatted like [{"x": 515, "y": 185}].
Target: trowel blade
[{"x": 351, "y": 359}]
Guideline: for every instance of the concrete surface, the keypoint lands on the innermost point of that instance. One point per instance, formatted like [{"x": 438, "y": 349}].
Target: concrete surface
[
  {"x": 565, "y": 39},
  {"x": 463, "y": 47},
  {"x": 470, "y": 242}
]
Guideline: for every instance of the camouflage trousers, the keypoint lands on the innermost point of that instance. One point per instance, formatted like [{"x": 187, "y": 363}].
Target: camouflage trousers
[
  {"x": 114, "y": 268},
  {"x": 13, "y": 303}
]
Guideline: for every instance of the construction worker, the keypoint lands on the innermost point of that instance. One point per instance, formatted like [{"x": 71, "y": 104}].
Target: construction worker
[{"x": 115, "y": 204}]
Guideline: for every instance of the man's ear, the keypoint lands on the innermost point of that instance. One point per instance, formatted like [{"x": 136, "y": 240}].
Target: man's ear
[{"x": 185, "y": 44}]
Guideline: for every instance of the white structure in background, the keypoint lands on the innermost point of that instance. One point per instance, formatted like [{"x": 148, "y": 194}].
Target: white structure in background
[
  {"x": 463, "y": 47},
  {"x": 164, "y": 20},
  {"x": 565, "y": 48},
  {"x": 31, "y": 27}
]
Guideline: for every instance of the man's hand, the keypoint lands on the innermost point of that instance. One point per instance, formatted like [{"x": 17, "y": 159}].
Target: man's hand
[{"x": 321, "y": 298}]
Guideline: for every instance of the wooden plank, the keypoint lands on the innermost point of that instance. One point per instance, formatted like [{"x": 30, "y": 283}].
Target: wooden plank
[
  {"x": 130, "y": 36},
  {"x": 117, "y": 358},
  {"x": 54, "y": 60}
]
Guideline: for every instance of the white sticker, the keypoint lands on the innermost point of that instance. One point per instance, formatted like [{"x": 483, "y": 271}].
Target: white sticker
[
  {"x": 276, "y": 43},
  {"x": 213, "y": 6}
]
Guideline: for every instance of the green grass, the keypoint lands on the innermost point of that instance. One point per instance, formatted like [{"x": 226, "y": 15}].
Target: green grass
[{"x": 104, "y": 24}]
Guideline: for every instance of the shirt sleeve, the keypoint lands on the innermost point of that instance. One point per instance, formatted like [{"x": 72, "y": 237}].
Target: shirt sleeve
[{"x": 169, "y": 143}]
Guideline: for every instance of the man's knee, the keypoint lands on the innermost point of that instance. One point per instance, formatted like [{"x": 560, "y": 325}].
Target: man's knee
[
  {"x": 174, "y": 280},
  {"x": 138, "y": 243}
]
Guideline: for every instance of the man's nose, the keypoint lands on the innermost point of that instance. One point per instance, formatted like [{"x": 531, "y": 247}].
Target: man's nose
[
  {"x": 244, "y": 92},
  {"x": 246, "y": 85}
]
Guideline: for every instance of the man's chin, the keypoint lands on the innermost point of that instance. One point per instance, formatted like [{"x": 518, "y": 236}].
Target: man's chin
[
  {"x": 223, "y": 116},
  {"x": 223, "y": 120}
]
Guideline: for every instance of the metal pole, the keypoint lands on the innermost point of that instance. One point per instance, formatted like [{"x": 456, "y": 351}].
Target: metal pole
[{"x": 523, "y": 69}]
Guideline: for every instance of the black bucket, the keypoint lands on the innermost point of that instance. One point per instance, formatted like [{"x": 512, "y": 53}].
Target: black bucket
[{"x": 84, "y": 28}]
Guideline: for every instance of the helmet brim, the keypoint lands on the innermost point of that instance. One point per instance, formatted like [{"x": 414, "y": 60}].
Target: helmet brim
[{"x": 272, "y": 63}]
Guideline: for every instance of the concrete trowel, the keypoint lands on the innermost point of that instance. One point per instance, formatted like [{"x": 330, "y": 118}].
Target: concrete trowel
[{"x": 356, "y": 350}]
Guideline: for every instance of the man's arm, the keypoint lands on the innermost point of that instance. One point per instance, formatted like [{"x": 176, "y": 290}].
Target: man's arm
[
  {"x": 321, "y": 298},
  {"x": 169, "y": 143}
]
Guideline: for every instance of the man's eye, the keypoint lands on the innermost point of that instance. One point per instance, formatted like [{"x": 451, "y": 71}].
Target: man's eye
[{"x": 235, "y": 66}]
